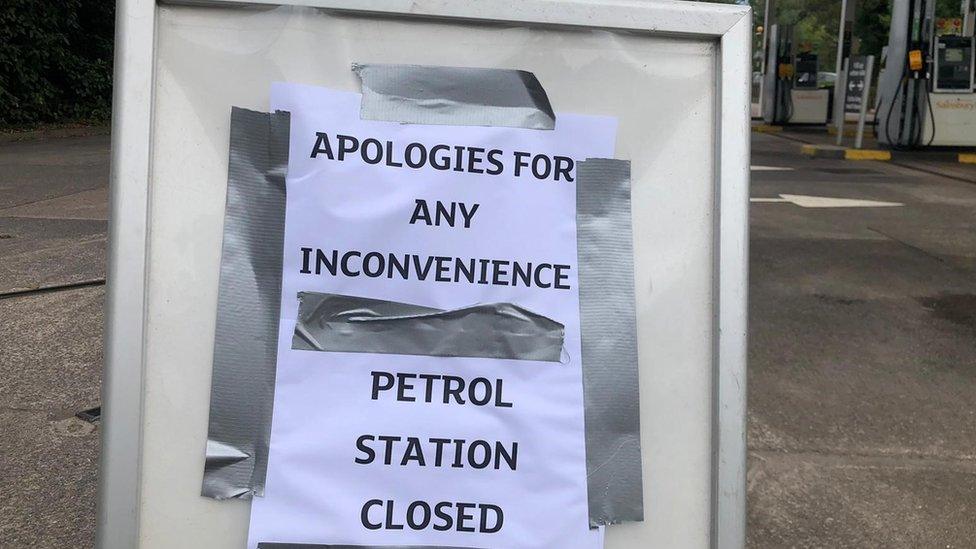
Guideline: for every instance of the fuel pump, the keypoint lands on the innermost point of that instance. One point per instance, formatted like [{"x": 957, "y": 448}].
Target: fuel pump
[
  {"x": 790, "y": 88},
  {"x": 810, "y": 104},
  {"x": 926, "y": 91},
  {"x": 905, "y": 88}
]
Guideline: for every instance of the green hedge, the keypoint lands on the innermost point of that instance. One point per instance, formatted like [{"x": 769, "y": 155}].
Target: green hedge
[{"x": 55, "y": 61}]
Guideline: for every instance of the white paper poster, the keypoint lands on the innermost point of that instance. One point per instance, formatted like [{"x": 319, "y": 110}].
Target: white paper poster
[{"x": 398, "y": 223}]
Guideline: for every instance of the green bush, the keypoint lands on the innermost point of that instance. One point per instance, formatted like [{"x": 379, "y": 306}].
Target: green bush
[{"x": 55, "y": 61}]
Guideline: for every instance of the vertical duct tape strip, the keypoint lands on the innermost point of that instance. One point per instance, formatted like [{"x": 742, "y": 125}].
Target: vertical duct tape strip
[
  {"x": 248, "y": 302},
  {"x": 457, "y": 96},
  {"x": 608, "y": 322}
]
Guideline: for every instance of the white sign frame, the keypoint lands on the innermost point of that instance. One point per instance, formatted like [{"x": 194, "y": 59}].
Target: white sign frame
[{"x": 127, "y": 321}]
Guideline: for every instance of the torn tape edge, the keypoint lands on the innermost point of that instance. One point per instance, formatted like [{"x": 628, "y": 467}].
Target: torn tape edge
[{"x": 452, "y": 96}]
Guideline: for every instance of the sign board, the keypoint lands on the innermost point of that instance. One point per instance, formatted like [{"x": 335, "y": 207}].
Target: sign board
[
  {"x": 856, "y": 79},
  {"x": 452, "y": 441},
  {"x": 682, "y": 121}
]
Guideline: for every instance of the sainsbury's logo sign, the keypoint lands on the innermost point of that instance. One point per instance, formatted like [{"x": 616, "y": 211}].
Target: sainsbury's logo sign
[{"x": 956, "y": 104}]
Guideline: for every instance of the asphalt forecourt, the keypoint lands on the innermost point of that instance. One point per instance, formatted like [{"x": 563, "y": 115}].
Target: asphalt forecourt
[{"x": 862, "y": 368}]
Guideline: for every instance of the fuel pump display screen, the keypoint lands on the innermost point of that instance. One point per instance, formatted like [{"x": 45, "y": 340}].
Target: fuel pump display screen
[
  {"x": 806, "y": 70},
  {"x": 954, "y": 63},
  {"x": 954, "y": 55}
]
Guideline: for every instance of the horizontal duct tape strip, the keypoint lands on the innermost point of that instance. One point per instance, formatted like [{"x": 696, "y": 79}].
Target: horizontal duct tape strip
[
  {"x": 248, "y": 303},
  {"x": 456, "y": 96},
  {"x": 331, "y": 322},
  {"x": 608, "y": 322}
]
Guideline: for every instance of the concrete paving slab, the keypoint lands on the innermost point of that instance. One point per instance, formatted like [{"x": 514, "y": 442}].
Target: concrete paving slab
[
  {"x": 860, "y": 375},
  {"x": 39, "y": 170},
  {"x": 50, "y": 366},
  {"x": 850, "y": 268},
  {"x": 49, "y": 481},
  {"x": 53, "y": 207},
  {"x": 38, "y": 252},
  {"x": 51, "y": 356},
  {"x": 954, "y": 243},
  {"x": 783, "y": 220},
  {"x": 91, "y": 205},
  {"x": 956, "y": 170},
  {"x": 817, "y": 500}
]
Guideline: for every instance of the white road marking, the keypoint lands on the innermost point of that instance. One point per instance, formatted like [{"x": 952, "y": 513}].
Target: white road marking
[
  {"x": 805, "y": 201},
  {"x": 770, "y": 169}
]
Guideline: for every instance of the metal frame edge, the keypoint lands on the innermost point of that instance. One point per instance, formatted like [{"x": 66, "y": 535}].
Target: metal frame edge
[
  {"x": 661, "y": 16},
  {"x": 118, "y": 506},
  {"x": 730, "y": 287}
]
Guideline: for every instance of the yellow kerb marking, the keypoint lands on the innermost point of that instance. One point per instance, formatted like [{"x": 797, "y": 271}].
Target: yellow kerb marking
[{"x": 866, "y": 154}]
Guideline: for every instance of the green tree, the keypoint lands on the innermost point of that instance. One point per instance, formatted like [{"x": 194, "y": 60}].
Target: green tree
[
  {"x": 815, "y": 23},
  {"x": 55, "y": 60},
  {"x": 871, "y": 25}
]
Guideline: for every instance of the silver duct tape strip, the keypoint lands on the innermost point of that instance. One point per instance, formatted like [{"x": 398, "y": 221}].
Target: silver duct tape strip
[
  {"x": 248, "y": 302},
  {"x": 457, "y": 96},
  {"x": 608, "y": 322},
  {"x": 331, "y": 322}
]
